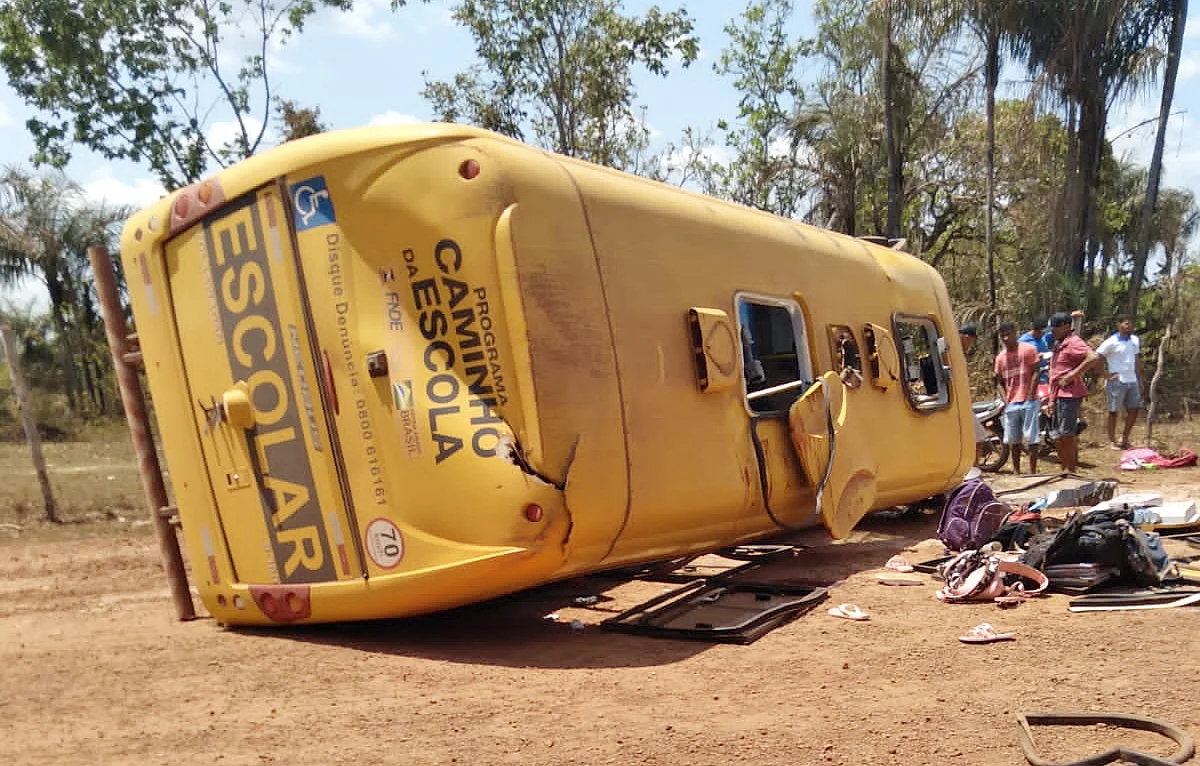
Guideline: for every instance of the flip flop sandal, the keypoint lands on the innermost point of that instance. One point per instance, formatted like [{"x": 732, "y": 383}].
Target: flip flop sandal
[
  {"x": 849, "y": 612},
  {"x": 1008, "y": 602},
  {"x": 899, "y": 564},
  {"x": 984, "y": 633},
  {"x": 898, "y": 579}
]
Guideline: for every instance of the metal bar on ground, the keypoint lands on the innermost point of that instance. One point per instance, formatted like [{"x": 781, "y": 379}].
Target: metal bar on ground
[{"x": 139, "y": 430}]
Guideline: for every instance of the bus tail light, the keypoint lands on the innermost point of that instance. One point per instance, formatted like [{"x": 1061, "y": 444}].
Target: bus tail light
[
  {"x": 469, "y": 169},
  {"x": 283, "y": 603},
  {"x": 193, "y": 202}
]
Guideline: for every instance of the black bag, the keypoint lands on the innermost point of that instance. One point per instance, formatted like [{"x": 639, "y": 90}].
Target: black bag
[{"x": 1107, "y": 538}]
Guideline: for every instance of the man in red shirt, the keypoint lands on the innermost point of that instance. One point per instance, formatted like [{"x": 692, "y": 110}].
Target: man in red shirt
[
  {"x": 1016, "y": 370},
  {"x": 1072, "y": 357}
]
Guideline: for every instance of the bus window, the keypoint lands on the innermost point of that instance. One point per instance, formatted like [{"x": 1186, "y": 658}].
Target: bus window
[
  {"x": 775, "y": 359},
  {"x": 847, "y": 361},
  {"x": 925, "y": 377}
]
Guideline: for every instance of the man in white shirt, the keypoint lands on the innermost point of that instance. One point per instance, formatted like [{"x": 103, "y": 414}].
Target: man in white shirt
[{"x": 1121, "y": 352}]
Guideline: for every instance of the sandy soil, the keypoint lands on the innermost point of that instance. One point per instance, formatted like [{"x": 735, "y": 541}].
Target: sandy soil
[{"x": 94, "y": 669}]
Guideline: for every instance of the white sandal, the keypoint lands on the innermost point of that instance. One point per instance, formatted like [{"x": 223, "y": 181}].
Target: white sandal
[{"x": 849, "y": 612}]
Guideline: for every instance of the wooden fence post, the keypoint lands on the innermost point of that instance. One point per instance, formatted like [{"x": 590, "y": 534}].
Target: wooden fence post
[
  {"x": 25, "y": 411},
  {"x": 1152, "y": 390},
  {"x": 139, "y": 430}
]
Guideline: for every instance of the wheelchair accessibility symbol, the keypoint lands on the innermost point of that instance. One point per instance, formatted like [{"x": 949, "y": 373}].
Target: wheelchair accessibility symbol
[{"x": 311, "y": 203}]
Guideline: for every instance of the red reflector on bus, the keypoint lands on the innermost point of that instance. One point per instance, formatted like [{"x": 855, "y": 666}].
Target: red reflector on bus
[
  {"x": 469, "y": 169},
  {"x": 533, "y": 512},
  {"x": 283, "y": 603}
]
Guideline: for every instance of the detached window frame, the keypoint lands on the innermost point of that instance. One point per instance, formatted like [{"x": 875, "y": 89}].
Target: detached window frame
[
  {"x": 761, "y": 322},
  {"x": 914, "y": 377}
]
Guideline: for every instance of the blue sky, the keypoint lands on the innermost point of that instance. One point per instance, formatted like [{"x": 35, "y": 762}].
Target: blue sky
[{"x": 366, "y": 67}]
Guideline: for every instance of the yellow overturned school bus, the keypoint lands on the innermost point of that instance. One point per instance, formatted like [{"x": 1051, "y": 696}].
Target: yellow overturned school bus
[{"x": 402, "y": 369}]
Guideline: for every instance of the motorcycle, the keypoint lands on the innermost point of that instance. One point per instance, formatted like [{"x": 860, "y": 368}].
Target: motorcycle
[
  {"x": 992, "y": 453},
  {"x": 1047, "y": 443}
]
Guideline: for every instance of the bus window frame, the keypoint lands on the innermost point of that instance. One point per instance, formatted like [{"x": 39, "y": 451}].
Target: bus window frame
[
  {"x": 937, "y": 346},
  {"x": 800, "y": 342}
]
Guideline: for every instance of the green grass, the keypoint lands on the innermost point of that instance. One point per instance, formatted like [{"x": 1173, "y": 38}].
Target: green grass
[{"x": 95, "y": 482}]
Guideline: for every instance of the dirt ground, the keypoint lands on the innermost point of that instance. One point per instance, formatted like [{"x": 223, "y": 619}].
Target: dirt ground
[{"x": 94, "y": 669}]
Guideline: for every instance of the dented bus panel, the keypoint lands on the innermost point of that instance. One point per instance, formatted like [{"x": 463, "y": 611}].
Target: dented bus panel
[{"x": 402, "y": 369}]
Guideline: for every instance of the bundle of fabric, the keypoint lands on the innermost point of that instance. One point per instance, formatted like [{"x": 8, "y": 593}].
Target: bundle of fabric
[{"x": 1140, "y": 458}]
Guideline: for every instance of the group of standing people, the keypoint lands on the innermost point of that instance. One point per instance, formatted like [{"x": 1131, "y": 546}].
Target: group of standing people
[{"x": 1031, "y": 386}]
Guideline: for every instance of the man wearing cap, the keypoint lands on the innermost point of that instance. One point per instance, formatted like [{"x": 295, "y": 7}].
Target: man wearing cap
[
  {"x": 1121, "y": 353},
  {"x": 1072, "y": 357},
  {"x": 967, "y": 334}
]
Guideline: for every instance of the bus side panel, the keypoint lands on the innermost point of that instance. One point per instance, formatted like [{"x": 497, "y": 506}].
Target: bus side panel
[
  {"x": 923, "y": 449},
  {"x": 693, "y": 467},
  {"x": 581, "y": 425}
]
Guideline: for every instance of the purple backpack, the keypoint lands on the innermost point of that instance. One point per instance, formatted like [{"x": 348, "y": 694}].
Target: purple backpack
[{"x": 971, "y": 517}]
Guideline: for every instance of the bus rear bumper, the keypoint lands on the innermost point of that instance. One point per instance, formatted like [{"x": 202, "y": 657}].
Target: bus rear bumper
[{"x": 403, "y": 594}]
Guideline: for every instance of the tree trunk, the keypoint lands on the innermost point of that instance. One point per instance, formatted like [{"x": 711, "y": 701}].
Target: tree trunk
[
  {"x": 895, "y": 203},
  {"x": 58, "y": 307},
  {"x": 24, "y": 409},
  {"x": 991, "y": 79},
  {"x": 1152, "y": 392},
  {"x": 1081, "y": 209},
  {"x": 1154, "y": 175}
]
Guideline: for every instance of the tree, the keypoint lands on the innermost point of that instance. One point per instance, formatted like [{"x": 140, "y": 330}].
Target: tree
[
  {"x": 990, "y": 20},
  {"x": 865, "y": 179},
  {"x": 46, "y": 226},
  {"x": 298, "y": 121},
  {"x": 559, "y": 73},
  {"x": 766, "y": 172},
  {"x": 1090, "y": 53},
  {"x": 146, "y": 80},
  {"x": 1179, "y": 10}
]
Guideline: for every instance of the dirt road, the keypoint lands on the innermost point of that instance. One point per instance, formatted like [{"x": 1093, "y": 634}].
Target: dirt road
[{"x": 94, "y": 670}]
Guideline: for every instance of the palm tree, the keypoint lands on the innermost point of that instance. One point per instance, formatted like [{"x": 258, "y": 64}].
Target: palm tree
[
  {"x": 1090, "y": 52},
  {"x": 1178, "y": 9},
  {"x": 46, "y": 226},
  {"x": 991, "y": 21}
]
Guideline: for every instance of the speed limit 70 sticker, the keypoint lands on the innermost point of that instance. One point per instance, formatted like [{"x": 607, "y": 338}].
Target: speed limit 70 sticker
[{"x": 385, "y": 545}]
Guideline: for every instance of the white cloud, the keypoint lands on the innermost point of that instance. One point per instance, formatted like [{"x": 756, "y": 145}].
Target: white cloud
[
  {"x": 367, "y": 20},
  {"x": 104, "y": 186},
  {"x": 224, "y": 134},
  {"x": 1189, "y": 67},
  {"x": 1182, "y": 169},
  {"x": 27, "y": 296},
  {"x": 5, "y": 116},
  {"x": 682, "y": 157},
  {"x": 1131, "y": 128},
  {"x": 392, "y": 117}
]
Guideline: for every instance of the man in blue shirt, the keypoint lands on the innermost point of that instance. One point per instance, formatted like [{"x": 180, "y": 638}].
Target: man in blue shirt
[{"x": 1041, "y": 339}]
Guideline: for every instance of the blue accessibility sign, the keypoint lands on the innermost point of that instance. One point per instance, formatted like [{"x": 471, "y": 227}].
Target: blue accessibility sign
[{"x": 312, "y": 204}]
